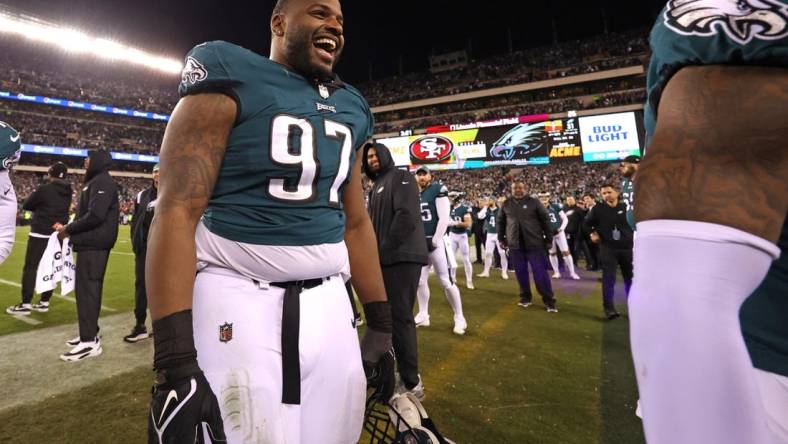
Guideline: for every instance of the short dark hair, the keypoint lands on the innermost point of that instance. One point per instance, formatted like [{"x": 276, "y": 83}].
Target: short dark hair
[
  {"x": 607, "y": 185},
  {"x": 280, "y": 5},
  {"x": 589, "y": 195}
]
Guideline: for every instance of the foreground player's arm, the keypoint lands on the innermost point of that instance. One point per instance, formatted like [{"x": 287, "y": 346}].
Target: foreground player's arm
[
  {"x": 191, "y": 155},
  {"x": 366, "y": 275}
]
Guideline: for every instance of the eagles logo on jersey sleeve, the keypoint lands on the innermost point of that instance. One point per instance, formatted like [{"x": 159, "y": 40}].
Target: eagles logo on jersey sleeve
[
  {"x": 739, "y": 20},
  {"x": 10, "y": 146},
  {"x": 205, "y": 70}
]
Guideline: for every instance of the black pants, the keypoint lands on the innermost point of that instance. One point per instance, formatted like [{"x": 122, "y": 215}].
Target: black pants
[
  {"x": 609, "y": 258},
  {"x": 401, "y": 281},
  {"x": 35, "y": 249},
  {"x": 572, "y": 242},
  {"x": 592, "y": 255},
  {"x": 140, "y": 295},
  {"x": 480, "y": 239},
  {"x": 91, "y": 266}
]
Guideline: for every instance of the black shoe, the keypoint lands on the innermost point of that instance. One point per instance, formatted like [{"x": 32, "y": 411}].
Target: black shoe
[
  {"x": 611, "y": 314},
  {"x": 138, "y": 333},
  {"x": 19, "y": 309}
]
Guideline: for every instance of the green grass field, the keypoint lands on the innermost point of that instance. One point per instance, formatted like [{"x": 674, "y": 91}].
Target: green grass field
[{"x": 517, "y": 376}]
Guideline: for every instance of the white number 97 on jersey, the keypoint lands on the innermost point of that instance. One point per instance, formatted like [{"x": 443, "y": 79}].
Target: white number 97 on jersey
[{"x": 281, "y": 154}]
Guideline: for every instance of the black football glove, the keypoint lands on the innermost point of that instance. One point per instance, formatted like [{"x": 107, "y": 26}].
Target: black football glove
[
  {"x": 184, "y": 409},
  {"x": 377, "y": 336},
  {"x": 380, "y": 377}
]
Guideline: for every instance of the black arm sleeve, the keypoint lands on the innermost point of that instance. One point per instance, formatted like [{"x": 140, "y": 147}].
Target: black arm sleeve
[
  {"x": 501, "y": 222},
  {"x": 33, "y": 201},
  {"x": 100, "y": 198}
]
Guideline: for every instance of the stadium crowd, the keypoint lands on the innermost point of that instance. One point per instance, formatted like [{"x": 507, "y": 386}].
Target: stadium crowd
[{"x": 566, "y": 59}]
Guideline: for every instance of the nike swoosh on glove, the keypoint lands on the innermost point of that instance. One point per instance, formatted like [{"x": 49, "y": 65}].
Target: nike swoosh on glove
[{"x": 185, "y": 411}]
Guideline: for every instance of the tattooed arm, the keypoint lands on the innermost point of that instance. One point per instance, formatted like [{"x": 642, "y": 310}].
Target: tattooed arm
[
  {"x": 719, "y": 150},
  {"x": 191, "y": 155}
]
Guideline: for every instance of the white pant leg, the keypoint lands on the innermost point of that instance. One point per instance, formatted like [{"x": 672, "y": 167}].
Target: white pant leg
[
  {"x": 423, "y": 292},
  {"x": 439, "y": 259},
  {"x": 246, "y": 372},
  {"x": 489, "y": 247},
  {"x": 502, "y": 253},
  {"x": 774, "y": 393},
  {"x": 559, "y": 240}
]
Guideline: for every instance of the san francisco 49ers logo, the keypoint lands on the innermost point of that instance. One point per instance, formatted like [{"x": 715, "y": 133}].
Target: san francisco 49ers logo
[
  {"x": 741, "y": 20},
  {"x": 431, "y": 149}
]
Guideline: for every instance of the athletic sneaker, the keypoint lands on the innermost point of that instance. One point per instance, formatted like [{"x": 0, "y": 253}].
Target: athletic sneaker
[
  {"x": 19, "y": 309},
  {"x": 504, "y": 275},
  {"x": 460, "y": 325},
  {"x": 483, "y": 275},
  {"x": 524, "y": 304},
  {"x": 575, "y": 277},
  {"x": 73, "y": 342},
  {"x": 556, "y": 275},
  {"x": 83, "y": 350},
  {"x": 552, "y": 310},
  {"x": 470, "y": 286},
  {"x": 611, "y": 314},
  {"x": 41, "y": 307},
  {"x": 422, "y": 320},
  {"x": 138, "y": 333}
]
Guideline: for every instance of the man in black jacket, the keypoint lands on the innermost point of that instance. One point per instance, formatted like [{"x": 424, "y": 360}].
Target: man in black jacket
[
  {"x": 524, "y": 229},
  {"x": 576, "y": 215},
  {"x": 479, "y": 236},
  {"x": 394, "y": 208},
  {"x": 49, "y": 203},
  {"x": 144, "y": 205},
  {"x": 93, "y": 234},
  {"x": 610, "y": 228}
]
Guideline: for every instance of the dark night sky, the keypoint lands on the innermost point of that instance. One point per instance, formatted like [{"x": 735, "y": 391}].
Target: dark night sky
[{"x": 377, "y": 33}]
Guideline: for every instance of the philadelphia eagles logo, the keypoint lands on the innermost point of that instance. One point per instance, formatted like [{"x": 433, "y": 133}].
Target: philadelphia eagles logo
[
  {"x": 193, "y": 72},
  {"x": 740, "y": 20}
]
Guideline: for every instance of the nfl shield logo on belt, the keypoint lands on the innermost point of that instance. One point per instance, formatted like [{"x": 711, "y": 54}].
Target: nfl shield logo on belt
[{"x": 225, "y": 332}]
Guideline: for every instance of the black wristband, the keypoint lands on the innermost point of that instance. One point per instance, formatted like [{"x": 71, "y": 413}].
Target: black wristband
[
  {"x": 378, "y": 316},
  {"x": 173, "y": 341}
]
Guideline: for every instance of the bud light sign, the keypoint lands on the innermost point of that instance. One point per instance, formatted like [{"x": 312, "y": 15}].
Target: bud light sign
[{"x": 609, "y": 137}]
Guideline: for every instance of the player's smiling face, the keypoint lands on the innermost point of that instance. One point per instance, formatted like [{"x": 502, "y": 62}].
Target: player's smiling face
[{"x": 312, "y": 36}]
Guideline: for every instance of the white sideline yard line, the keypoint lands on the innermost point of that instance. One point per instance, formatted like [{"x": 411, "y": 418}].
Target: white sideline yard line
[
  {"x": 26, "y": 319},
  {"x": 58, "y": 295},
  {"x": 28, "y": 377}
]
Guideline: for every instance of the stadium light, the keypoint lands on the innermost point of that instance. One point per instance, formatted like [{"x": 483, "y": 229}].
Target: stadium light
[{"x": 73, "y": 40}]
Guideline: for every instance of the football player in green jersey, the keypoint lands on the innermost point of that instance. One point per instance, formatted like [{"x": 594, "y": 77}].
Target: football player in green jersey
[
  {"x": 489, "y": 214},
  {"x": 558, "y": 221},
  {"x": 459, "y": 227},
  {"x": 261, "y": 197},
  {"x": 435, "y": 210},
  {"x": 628, "y": 169},
  {"x": 709, "y": 301}
]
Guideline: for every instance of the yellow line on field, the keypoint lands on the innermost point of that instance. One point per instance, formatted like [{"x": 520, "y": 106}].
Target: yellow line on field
[{"x": 463, "y": 353}]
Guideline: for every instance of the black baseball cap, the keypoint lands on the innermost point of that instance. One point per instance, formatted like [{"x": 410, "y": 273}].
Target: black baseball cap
[
  {"x": 422, "y": 170},
  {"x": 58, "y": 170},
  {"x": 632, "y": 159}
]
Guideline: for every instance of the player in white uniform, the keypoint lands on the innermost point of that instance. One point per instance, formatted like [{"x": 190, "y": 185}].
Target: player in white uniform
[
  {"x": 260, "y": 195},
  {"x": 10, "y": 147},
  {"x": 558, "y": 221},
  {"x": 459, "y": 226},
  {"x": 435, "y": 215},
  {"x": 489, "y": 214}
]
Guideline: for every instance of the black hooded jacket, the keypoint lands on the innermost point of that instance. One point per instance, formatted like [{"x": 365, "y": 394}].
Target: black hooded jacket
[
  {"x": 49, "y": 203},
  {"x": 96, "y": 224},
  {"x": 395, "y": 210}
]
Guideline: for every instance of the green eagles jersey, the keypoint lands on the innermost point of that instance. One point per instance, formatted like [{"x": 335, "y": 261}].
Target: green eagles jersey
[
  {"x": 491, "y": 221},
  {"x": 429, "y": 212},
  {"x": 742, "y": 33},
  {"x": 553, "y": 214},
  {"x": 628, "y": 197},
  {"x": 289, "y": 154},
  {"x": 458, "y": 215},
  {"x": 714, "y": 32}
]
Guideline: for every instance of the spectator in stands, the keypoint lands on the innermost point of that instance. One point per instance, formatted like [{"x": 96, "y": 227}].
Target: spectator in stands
[
  {"x": 93, "y": 234},
  {"x": 144, "y": 207},
  {"x": 524, "y": 229},
  {"x": 49, "y": 203}
]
